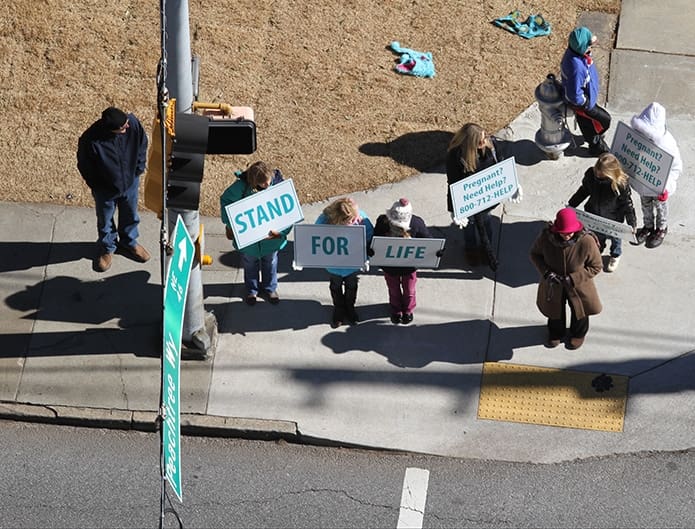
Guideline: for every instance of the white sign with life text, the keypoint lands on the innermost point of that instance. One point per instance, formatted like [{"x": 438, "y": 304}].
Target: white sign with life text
[
  {"x": 604, "y": 225},
  {"x": 330, "y": 246},
  {"x": 274, "y": 208},
  {"x": 484, "y": 189},
  {"x": 407, "y": 252},
  {"x": 641, "y": 159}
]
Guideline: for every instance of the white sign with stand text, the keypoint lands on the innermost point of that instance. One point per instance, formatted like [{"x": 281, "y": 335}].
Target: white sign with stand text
[{"x": 272, "y": 209}]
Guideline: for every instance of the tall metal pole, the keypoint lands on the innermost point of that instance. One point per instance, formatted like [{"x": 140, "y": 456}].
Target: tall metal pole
[{"x": 195, "y": 335}]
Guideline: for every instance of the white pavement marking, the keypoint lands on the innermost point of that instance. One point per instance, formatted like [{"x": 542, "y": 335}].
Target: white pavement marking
[{"x": 413, "y": 498}]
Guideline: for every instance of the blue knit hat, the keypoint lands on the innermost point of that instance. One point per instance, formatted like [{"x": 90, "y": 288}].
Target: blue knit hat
[{"x": 580, "y": 40}]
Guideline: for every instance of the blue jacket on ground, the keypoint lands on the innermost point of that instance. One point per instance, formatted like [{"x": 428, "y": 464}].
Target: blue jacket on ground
[
  {"x": 241, "y": 189},
  {"x": 369, "y": 232},
  {"x": 111, "y": 162}
]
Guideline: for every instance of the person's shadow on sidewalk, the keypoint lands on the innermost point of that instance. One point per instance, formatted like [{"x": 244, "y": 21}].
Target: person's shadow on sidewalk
[
  {"x": 129, "y": 298},
  {"x": 415, "y": 346},
  {"x": 420, "y": 150},
  {"x": 26, "y": 255}
]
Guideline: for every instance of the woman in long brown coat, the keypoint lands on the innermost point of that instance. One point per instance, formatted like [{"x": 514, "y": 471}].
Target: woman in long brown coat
[{"x": 567, "y": 258}]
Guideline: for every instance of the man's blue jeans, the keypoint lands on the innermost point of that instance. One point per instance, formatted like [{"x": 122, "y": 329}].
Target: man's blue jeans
[
  {"x": 126, "y": 234},
  {"x": 266, "y": 267}
]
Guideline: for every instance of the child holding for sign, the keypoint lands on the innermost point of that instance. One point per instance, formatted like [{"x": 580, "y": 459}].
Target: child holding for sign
[
  {"x": 652, "y": 123},
  {"x": 609, "y": 196},
  {"x": 399, "y": 221},
  {"x": 343, "y": 281}
]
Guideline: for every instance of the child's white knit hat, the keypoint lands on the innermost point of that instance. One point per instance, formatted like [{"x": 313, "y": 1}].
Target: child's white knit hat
[{"x": 400, "y": 213}]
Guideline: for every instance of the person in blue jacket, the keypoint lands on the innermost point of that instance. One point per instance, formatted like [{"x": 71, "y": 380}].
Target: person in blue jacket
[
  {"x": 260, "y": 259},
  {"x": 580, "y": 84},
  {"x": 343, "y": 281},
  {"x": 111, "y": 156}
]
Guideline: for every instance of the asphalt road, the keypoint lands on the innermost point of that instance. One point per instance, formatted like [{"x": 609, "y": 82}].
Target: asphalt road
[{"x": 70, "y": 477}]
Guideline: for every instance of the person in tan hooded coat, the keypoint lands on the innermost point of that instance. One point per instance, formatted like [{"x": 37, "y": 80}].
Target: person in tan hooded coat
[{"x": 567, "y": 257}]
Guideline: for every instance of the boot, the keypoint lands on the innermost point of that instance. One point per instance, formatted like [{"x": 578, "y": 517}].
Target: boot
[
  {"x": 656, "y": 238},
  {"x": 598, "y": 146},
  {"x": 350, "y": 299}
]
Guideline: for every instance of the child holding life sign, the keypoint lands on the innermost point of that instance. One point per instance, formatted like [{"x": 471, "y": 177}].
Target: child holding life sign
[
  {"x": 343, "y": 281},
  {"x": 399, "y": 221},
  {"x": 651, "y": 122},
  {"x": 605, "y": 185}
]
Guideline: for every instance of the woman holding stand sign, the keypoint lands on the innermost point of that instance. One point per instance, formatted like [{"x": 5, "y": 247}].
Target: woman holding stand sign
[
  {"x": 609, "y": 196},
  {"x": 471, "y": 150},
  {"x": 260, "y": 259}
]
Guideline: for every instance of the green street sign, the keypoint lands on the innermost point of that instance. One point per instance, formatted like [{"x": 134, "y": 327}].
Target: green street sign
[{"x": 175, "y": 292}]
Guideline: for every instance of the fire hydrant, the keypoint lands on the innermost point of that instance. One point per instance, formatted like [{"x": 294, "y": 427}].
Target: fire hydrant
[{"x": 553, "y": 137}]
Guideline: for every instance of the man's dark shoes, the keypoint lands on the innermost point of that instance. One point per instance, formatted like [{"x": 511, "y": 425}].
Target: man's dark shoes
[
  {"x": 643, "y": 234},
  {"x": 395, "y": 318},
  {"x": 103, "y": 262},
  {"x": 137, "y": 253},
  {"x": 655, "y": 238},
  {"x": 406, "y": 318},
  {"x": 251, "y": 300},
  {"x": 273, "y": 298}
]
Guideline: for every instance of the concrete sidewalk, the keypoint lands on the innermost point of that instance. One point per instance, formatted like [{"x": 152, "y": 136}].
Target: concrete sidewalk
[{"x": 83, "y": 346}]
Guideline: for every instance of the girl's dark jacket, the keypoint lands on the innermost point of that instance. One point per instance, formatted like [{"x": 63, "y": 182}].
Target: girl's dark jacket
[
  {"x": 455, "y": 172},
  {"x": 418, "y": 229},
  {"x": 578, "y": 258},
  {"x": 603, "y": 201}
]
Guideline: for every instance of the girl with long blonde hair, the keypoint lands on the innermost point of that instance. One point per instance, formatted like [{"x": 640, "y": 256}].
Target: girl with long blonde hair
[{"x": 607, "y": 192}]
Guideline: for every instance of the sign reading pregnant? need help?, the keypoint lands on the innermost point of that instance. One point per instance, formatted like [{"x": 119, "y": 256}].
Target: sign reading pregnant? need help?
[
  {"x": 484, "y": 189},
  {"x": 253, "y": 217}
]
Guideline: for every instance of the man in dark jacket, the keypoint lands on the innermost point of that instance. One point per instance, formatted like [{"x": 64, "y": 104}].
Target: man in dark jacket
[{"x": 111, "y": 156}]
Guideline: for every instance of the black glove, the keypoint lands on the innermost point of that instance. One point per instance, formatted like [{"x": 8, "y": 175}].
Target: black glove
[
  {"x": 440, "y": 252},
  {"x": 370, "y": 252}
]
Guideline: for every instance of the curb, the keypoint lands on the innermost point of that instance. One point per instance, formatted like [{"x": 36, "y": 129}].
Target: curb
[{"x": 191, "y": 423}]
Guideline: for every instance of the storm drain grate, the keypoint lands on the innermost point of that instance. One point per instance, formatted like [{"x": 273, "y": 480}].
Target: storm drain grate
[{"x": 552, "y": 397}]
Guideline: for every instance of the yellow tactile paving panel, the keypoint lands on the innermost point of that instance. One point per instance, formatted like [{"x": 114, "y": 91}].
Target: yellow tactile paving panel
[{"x": 553, "y": 397}]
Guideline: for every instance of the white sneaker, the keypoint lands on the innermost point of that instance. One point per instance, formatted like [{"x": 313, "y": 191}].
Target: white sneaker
[{"x": 613, "y": 264}]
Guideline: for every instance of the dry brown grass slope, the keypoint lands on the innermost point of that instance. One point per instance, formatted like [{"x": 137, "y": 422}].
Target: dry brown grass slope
[{"x": 330, "y": 110}]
